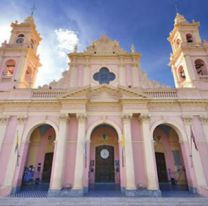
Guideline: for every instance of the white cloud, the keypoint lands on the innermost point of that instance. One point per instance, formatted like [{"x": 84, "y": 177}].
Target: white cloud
[
  {"x": 53, "y": 53},
  {"x": 67, "y": 39},
  {"x": 53, "y": 49},
  {"x": 5, "y": 32}
]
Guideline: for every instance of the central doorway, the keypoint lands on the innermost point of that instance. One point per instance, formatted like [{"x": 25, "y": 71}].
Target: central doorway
[
  {"x": 104, "y": 164},
  {"x": 104, "y": 171}
]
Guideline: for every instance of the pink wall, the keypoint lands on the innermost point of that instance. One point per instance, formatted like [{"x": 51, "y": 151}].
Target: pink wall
[
  {"x": 190, "y": 174},
  {"x": 41, "y": 153},
  {"x": 138, "y": 152},
  {"x": 20, "y": 169},
  {"x": 6, "y": 151}
]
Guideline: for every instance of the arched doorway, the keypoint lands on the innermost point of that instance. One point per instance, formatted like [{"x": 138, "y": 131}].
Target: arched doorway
[
  {"x": 104, "y": 166},
  {"x": 169, "y": 160},
  {"x": 38, "y": 165}
]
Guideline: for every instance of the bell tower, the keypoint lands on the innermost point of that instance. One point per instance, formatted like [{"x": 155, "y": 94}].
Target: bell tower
[
  {"x": 189, "y": 58},
  {"x": 19, "y": 61}
]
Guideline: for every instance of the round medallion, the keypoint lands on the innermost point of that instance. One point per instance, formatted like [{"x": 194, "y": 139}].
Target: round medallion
[{"x": 104, "y": 153}]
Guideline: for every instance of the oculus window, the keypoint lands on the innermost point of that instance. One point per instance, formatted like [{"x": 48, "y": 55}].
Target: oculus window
[{"x": 104, "y": 76}]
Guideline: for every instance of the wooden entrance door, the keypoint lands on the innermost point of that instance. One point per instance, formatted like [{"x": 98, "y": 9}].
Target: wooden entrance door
[
  {"x": 104, "y": 171},
  {"x": 46, "y": 175},
  {"x": 161, "y": 167}
]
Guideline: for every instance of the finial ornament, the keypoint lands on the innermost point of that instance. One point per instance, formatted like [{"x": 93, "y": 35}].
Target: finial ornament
[
  {"x": 75, "y": 48},
  {"x": 132, "y": 49},
  {"x": 176, "y": 6},
  {"x": 33, "y": 9}
]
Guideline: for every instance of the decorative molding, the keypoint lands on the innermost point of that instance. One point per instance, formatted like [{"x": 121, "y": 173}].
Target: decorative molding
[
  {"x": 104, "y": 118},
  {"x": 64, "y": 117},
  {"x": 3, "y": 119},
  {"x": 81, "y": 116},
  {"x": 22, "y": 118},
  {"x": 187, "y": 119},
  {"x": 144, "y": 117},
  {"x": 204, "y": 119},
  {"x": 127, "y": 116}
]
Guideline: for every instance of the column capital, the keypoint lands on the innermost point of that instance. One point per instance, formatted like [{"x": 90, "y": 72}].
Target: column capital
[
  {"x": 81, "y": 116},
  {"x": 63, "y": 117},
  {"x": 21, "y": 118},
  {"x": 144, "y": 117},
  {"x": 204, "y": 119},
  {"x": 127, "y": 116},
  {"x": 3, "y": 119},
  {"x": 186, "y": 119}
]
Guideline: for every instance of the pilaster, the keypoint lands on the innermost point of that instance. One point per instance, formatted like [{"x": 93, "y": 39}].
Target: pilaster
[
  {"x": 122, "y": 73},
  {"x": 14, "y": 156},
  {"x": 128, "y": 153},
  {"x": 86, "y": 76},
  {"x": 80, "y": 154},
  {"x": 135, "y": 74},
  {"x": 196, "y": 164},
  {"x": 150, "y": 164},
  {"x": 58, "y": 160},
  {"x": 204, "y": 121},
  {"x": 3, "y": 124}
]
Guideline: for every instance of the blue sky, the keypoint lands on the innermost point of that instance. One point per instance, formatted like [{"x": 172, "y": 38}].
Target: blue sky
[{"x": 64, "y": 23}]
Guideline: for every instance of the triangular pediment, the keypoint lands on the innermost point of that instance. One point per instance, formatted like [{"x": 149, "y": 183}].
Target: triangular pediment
[{"x": 103, "y": 93}]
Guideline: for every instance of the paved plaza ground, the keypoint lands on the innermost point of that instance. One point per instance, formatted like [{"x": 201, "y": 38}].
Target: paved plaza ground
[{"x": 105, "y": 201}]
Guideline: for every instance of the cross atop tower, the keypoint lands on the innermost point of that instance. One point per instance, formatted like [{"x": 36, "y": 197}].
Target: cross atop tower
[
  {"x": 176, "y": 4},
  {"x": 33, "y": 9}
]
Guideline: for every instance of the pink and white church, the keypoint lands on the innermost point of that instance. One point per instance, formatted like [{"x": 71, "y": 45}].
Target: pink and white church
[{"x": 104, "y": 122}]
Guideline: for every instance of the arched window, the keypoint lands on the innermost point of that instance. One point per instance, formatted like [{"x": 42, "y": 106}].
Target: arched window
[
  {"x": 9, "y": 68},
  {"x": 178, "y": 42},
  {"x": 20, "y": 39},
  {"x": 189, "y": 38},
  {"x": 28, "y": 75},
  {"x": 200, "y": 67},
  {"x": 181, "y": 73}
]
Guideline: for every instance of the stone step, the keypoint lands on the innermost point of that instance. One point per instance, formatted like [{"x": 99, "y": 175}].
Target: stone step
[{"x": 104, "y": 201}]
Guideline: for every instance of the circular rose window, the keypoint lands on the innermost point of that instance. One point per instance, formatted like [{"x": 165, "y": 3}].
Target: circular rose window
[{"x": 104, "y": 153}]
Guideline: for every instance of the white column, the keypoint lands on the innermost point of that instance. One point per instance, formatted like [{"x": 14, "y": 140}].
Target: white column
[
  {"x": 3, "y": 124},
  {"x": 149, "y": 154},
  {"x": 128, "y": 153},
  {"x": 14, "y": 154},
  {"x": 80, "y": 154},
  {"x": 204, "y": 121},
  {"x": 58, "y": 160},
  {"x": 195, "y": 156}
]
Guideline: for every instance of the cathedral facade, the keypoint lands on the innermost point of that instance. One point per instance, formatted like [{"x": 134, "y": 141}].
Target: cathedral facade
[{"x": 104, "y": 123}]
